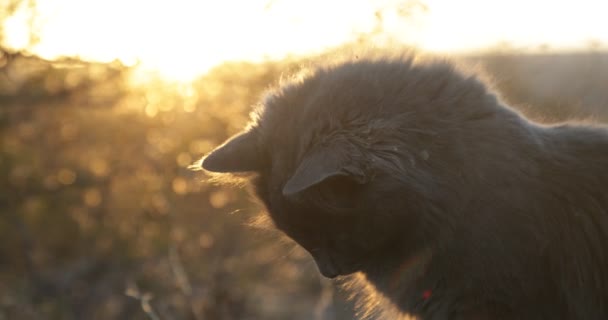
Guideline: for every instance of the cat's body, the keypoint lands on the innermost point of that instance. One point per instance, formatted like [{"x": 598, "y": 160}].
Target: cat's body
[{"x": 450, "y": 204}]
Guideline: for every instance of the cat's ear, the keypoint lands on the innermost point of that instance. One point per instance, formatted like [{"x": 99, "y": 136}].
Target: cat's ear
[
  {"x": 321, "y": 165},
  {"x": 239, "y": 154}
]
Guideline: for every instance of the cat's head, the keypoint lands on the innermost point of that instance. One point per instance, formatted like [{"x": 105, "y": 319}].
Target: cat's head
[{"x": 346, "y": 160}]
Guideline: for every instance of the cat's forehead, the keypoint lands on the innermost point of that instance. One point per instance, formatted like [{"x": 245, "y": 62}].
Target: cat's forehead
[
  {"x": 295, "y": 122},
  {"x": 323, "y": 103},
  {"x": 361, "y": 99}
]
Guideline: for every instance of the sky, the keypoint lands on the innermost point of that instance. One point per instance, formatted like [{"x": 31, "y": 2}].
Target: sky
[{"x": 184, "y": 38}]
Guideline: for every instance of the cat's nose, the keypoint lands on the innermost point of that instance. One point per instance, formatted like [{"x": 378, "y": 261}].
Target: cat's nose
[
  {"x": 326, "y": 265},
  {"x": 329, "y": 270}
]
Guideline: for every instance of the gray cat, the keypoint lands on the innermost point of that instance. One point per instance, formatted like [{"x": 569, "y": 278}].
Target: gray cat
[{"x": 449, "y": 203}]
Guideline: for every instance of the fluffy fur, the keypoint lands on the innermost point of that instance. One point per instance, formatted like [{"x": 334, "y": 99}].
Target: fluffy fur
[{"x": 417, "y": 178}]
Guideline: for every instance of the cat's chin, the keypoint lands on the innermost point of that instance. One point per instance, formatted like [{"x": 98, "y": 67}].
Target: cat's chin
[
  {"x": 333, "y": 275},
  {"x": 329, "y": 274},
  {"x": 332, "y": 270}
]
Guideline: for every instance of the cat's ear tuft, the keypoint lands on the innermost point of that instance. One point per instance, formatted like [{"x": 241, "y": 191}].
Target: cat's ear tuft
[
  {"x": 239, "y": 154},
  {"x": 321, "y": 165}
]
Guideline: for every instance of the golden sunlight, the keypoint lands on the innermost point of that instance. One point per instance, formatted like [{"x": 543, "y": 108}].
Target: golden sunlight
[{"x": 183, "y": 38}]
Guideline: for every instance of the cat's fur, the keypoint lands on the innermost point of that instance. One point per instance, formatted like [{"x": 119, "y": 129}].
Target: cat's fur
[{"x": 447, "y": 202}]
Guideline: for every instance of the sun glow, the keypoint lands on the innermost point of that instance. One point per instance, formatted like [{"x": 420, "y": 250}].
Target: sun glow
[
  {"x": 477, "y": 24},
  {"x": 184, "y": 38}
]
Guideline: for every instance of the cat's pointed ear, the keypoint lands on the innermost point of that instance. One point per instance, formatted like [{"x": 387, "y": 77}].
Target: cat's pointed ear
[
  {"x": 322, "y": 165},
  {"x": 239, "y": 154}
]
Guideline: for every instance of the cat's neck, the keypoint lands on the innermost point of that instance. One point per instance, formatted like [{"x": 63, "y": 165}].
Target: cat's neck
[{"x": 405, "y": 281}]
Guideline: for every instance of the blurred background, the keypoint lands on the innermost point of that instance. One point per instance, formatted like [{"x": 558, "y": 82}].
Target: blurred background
[{"x": 105, "y": 104}]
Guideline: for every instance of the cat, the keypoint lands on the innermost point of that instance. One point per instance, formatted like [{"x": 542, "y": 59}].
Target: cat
[{"x": 415, "y": 176}]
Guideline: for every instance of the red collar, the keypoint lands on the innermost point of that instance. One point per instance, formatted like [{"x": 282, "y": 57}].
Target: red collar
[{"x": 426, "y": 295}]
